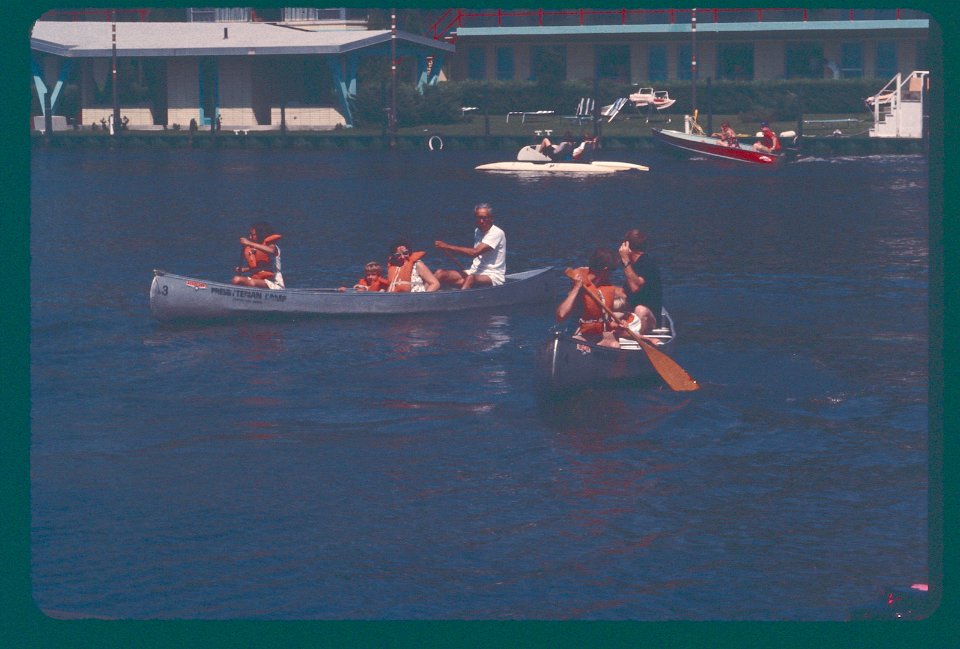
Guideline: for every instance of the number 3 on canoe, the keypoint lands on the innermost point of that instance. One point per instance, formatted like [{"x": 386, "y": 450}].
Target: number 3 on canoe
[{"x": 673, "y": 375}]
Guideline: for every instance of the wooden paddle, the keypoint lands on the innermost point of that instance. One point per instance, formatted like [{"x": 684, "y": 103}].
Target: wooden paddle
[
  {"x": 668, "y": 369},
  {"x": 454, "y": 260}
]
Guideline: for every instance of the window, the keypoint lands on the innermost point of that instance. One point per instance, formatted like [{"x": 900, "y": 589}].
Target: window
[
  {"x": 657, "y": 63},
  {"x": 735, "y": 61},
  {"x": 613, "y": 62},
  {"x": 685, "y": 61},
  {"x": 476, "y": 64},
  {"x": 505, "y": 63},
  {"x": 851, "y": 60},
  {"x": 549, "y": 64},
  {"x": 886, "y": 59},
  {"x": 804, "y": 61}
]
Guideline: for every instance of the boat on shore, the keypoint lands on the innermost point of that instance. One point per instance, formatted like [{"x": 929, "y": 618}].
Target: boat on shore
[
  {"x": 530, "y": 160},
  {"x": 176, "y": 297},
  {"x": 565, "y": 362},
  {"x": 710, "y": 146}
]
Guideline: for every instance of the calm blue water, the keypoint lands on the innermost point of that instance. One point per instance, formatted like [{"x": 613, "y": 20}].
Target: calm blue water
[{"x": 404, "y": 468}]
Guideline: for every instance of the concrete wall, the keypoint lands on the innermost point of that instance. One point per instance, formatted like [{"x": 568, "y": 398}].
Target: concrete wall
[
  {"x": 183, "y": 91},
  {"x": 236, "y": 93},
  {"x": 307, "y": 117}
]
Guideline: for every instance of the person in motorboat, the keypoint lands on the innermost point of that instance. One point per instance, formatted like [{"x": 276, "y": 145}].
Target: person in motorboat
[
  {"x": 595, "y": 325},
  {"x": 489, "y": 254},
  {"x": 406, "y": 272},
  {"x": 643, "y": 288},
  {"x": 728, "y": 137},
  {"x": 557, "y": 152},
  {"x": 769, "y": 142},
  {"x": 261, "y": 254},
  {"x": 372, "y": 280}
]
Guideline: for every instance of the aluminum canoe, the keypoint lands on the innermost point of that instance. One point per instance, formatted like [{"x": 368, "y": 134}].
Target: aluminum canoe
[
  {"x": 708, "y": 146},
  {"x": 563, "y": 362},
  {"x": 176, "y": 297}
]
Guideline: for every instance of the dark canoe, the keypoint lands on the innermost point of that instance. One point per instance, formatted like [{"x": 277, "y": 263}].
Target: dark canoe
[
  {"x": 564, "y": 362},
  {"x": 708, "y": 146},
  {"x": 175, "y": 297}
]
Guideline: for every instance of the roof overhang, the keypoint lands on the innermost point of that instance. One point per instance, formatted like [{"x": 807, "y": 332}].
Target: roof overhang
[
  {"x": 787, "y": 29},
  {"x": 95, "y": 39}
]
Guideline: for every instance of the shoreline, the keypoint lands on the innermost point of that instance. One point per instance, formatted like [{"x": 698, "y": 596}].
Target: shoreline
[{"x": 340, "y": 140}]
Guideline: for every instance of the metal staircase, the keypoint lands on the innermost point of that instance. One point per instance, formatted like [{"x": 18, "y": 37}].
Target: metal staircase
[{"x": 898, "y": 107}]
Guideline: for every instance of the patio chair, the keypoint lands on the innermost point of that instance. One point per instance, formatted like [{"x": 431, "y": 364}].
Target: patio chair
[{"x": 584, "y": 110}]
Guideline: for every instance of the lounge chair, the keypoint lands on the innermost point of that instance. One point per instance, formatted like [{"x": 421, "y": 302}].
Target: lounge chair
[
  {"x": 524, "y": 114},
  {"x": 584, "y": 110}
]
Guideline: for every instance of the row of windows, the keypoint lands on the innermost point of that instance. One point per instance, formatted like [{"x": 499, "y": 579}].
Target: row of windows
[{"x": 735, "y": 61}]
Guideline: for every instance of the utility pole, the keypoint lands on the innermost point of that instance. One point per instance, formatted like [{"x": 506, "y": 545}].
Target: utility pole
[
  {"x": 115, "y": 123},
  {"x": 393, "y": 78},
  {"x": 693, "y": 62}
]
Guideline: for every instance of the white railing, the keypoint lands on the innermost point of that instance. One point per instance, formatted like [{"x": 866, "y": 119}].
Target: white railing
[{"x": 891, "y": 116}]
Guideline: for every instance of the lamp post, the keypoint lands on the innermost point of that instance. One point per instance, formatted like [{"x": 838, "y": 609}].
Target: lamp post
[
  {"x": 693, "y": 62},
  {"x": 393, "y": 78},
  {"x": 115, "y": 123}
]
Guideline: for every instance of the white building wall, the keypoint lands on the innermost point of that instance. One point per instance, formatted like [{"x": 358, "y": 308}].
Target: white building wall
[
  {"x": 236, "y": 93},
  {"x": 183, "y": 91}
]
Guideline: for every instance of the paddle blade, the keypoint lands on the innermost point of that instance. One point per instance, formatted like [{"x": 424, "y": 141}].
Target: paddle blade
[{"x": 668, "y": 369}]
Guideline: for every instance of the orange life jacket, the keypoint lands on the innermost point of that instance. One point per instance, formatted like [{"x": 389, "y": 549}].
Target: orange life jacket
[
  {"x": 594, "y": 320},
  {"x": 259, "y": 262},
  {"x": 398, "y": 277},
  {"x": 379, "y": 284}
]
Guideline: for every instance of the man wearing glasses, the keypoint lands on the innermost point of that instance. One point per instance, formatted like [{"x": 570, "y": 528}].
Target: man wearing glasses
[{"x": 489, "y": 253}]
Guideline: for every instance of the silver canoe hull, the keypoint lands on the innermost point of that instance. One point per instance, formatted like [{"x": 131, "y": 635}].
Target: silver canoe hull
[
  {"x": 175, "y": 297},
  {"x": 563, "y": 362}
]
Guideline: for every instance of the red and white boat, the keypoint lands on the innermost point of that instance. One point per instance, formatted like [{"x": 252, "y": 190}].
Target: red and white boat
[{"x": 711, "y": 147}]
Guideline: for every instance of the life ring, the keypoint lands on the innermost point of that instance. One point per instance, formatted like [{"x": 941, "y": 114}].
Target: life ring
[{"x": 438, "y": 146}]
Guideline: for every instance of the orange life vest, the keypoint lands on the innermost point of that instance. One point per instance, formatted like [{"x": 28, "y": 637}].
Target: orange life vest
[
  {"x": 398, "y": 277},
  {"x": 259, "y": 262},
  {"x": 594, "y": 321},
  {"x": 379, "y": 284}
]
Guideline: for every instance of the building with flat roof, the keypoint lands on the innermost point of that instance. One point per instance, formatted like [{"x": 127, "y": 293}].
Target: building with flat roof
[
  {"x": 643, "y": 46},
  {"x": 242, "y": 75}
]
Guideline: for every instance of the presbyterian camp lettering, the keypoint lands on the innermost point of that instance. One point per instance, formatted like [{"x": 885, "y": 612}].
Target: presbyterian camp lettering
[{"x": 245, "y": 294}]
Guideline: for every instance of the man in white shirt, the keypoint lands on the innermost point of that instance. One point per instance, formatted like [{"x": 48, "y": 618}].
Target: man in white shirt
[{"x": 489, "y": 253}]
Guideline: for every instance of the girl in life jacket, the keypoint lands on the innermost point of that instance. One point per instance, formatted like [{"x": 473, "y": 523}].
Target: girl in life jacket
[
  {"x": 406, "y": 273},
  {"x": 595, "y": 325},
  {"x": 261, "y": 256},
  {"x": 372, "y": 280}
]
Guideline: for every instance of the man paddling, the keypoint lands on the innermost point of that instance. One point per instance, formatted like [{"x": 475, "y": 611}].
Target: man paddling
[{"x": 489, "y": 253}]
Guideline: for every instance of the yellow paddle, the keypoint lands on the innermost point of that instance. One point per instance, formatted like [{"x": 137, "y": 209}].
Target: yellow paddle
[{"x": 673, "y": 375}]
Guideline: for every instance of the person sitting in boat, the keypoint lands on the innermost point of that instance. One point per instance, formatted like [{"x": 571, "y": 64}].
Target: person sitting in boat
[
  {"x": 489, "y": 253},
  {"x": 728, "y": 137},
  {"x": 406, "y": 273},
  {"x": 584, "y": 152},
  {"x": 596, "y": 325},
  {"x": 557, "y": 152},
  {"x": 372, "y": 280},
  {"x": 261, "y": 254},
  {"x": 642, "y": 287},
  {"x": 769, "y": 142}
]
